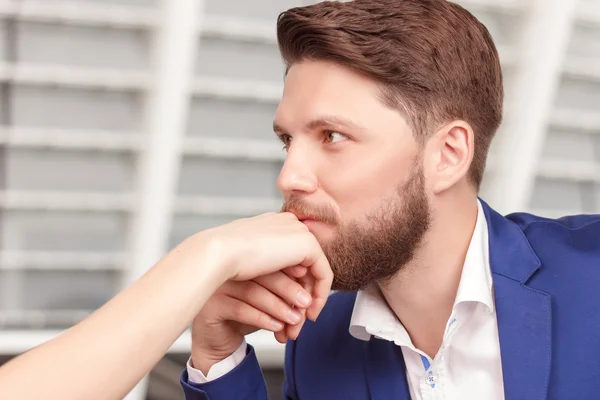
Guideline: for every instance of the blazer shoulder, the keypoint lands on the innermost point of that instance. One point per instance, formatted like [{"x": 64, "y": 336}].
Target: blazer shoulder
[
  {"x": 574, "y": 233},
  {"x": 568, "y": 249},
  {"x": 588, "y": 223}
]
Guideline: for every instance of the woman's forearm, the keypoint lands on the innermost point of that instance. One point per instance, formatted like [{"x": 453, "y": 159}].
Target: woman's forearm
[{"x": 108, "y": 353}]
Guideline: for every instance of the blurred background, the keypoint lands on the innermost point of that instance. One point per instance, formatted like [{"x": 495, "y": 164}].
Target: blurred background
[{"x": 127, "y": 125}]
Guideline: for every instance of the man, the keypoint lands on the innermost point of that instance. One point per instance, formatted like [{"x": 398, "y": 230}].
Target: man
[{"x": 388, "y": 112}]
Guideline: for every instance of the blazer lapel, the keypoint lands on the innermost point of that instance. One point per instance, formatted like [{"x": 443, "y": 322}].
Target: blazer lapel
[
  {"x": 386, "y": 372},
  {"x": 524, "y": 314}
]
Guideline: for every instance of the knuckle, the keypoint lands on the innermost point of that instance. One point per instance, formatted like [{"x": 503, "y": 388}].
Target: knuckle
[
  {"x": 237, "y": 311},
  {"x": 281, "y": 284},
  {"x": 289, "y": 288},
  {"x": 249, "y": 290},
  {"x": 263, "y": 319},
  {"x": 290, "y": 216},
  {"x": 280, "y": 309},
  {"x": 304, "y": 228}
]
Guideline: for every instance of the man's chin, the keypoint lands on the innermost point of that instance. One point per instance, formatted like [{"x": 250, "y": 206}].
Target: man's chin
[{"x": 342, "y": 285}]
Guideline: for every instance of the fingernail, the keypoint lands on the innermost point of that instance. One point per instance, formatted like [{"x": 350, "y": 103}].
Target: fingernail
[
  {"x": 294, "y": 316},
  {"x": 277, "y": 326},
  {"x": 303, "y": 298}
]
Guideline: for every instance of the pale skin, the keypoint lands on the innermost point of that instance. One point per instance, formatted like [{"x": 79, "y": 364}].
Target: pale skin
[
  {"x": 347, "y": 150},
  {"x": 104, "y": 356}
]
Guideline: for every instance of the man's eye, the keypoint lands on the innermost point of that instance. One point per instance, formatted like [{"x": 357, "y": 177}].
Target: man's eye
[
  {"x": 286, "y": 140},
  {"x": 333, "y": 137}
]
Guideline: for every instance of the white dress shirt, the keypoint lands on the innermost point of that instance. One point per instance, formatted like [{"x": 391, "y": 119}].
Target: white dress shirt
[
  {"x": 467, "y": 365},
  {"x": 219, "y": 369}
]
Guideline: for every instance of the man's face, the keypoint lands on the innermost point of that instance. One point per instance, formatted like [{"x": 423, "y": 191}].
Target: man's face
[{"x": 353, "y": 173}]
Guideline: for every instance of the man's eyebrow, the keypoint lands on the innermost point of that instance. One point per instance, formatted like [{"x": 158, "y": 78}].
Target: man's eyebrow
[
  {"x": 321, "y": 122},
  {"x": 332, "y": 121}
]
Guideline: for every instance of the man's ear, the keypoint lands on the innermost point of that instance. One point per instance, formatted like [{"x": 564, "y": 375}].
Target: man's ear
[{"x": 449, "y": 154}]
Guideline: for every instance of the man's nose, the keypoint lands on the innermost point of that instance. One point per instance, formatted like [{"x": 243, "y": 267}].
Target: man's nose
[{"x": 297, "y": 174}]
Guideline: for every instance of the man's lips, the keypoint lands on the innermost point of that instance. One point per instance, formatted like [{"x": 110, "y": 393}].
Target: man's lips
[{"x": 303, "y": 217}]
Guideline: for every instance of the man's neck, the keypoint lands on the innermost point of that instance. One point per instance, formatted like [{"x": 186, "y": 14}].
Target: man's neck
[{"x": 423, "y": 295}]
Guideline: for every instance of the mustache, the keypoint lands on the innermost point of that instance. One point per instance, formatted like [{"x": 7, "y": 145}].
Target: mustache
[{"x": 318, "y": 213}]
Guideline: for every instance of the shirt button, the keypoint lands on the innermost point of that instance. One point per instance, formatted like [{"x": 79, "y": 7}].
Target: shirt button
[{"x": 431, "y": 380}]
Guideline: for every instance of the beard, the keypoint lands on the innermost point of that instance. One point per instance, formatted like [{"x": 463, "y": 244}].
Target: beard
[{"x": 380, "y": 247}]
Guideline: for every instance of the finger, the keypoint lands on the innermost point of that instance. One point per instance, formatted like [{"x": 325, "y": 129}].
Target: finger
[
  {"x": 286, "y": 288},
  {"x": 239, "y": 311},
  {"x": 288, "y": 215},
  {"x": 308, "y": 283},
  {"x": 321, "y": 271},
  {"x": 264, "y": 300},
  {"x": 281, "y": 335},
  {"x": 293, "y": 331},
  {"x": 297, "y": 271}
]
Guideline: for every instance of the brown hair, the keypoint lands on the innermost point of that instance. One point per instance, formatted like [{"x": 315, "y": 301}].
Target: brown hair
[{"x": 434, "y": 60}]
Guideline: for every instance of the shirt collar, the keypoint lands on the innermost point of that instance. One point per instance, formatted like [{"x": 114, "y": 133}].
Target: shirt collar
[
  {"x": 476, "y": 278},
  {"x": 372, "y": 316}
]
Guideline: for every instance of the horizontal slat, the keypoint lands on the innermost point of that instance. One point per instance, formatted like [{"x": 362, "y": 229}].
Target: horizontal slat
[
  {"x": 126, "y": 80},
  {"x": 118, "y": 16},
  {"x": 65, "y": 201},
  {"x": 570, "y": 170},
  {"x": 104, "y": 202},
  {"x": 248, "y": 149},
  {"x": 238, "y": 90},
  {"x": 100, "y": 14},
  {"x": 54, "y": 260},
  {"x": 230, "y": 206},
  {"x": 58, "y": 75},
  {"x": 588, "y": 14},
  {"x": 566, "y": 170},
  {"x": 502, "y": 6},
  {"x": 239, "y": 29},
  {"x": 60, "y": 139},
  {"x": 576, "y": 67},
  {"x": 584, "y": 121},
  {"x": 135, "y": 16},
  {"x": 270, "y": 353}
]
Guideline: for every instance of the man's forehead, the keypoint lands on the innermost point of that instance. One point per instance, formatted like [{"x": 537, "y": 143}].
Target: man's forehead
[
  {"x": 314, "y": 108},
  {"x": 325, "y": 80}
]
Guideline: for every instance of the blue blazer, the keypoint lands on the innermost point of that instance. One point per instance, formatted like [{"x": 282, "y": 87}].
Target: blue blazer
[{"x": 546, "y": 276}]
